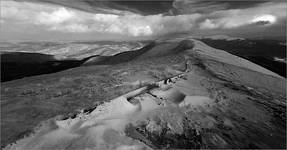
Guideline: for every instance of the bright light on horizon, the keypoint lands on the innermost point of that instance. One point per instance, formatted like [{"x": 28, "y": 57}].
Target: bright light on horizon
[{"x": 265, "y": 18}]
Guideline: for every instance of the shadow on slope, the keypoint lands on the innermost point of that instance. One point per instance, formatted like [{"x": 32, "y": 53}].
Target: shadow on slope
[
  {"x": 118, "y": 58},
  {"x": 154, "y": 49},
  {"x": 16, "y": 65}
]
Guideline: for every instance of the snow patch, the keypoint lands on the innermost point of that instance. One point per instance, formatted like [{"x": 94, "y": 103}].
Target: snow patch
[{"x": 195, "y": 101}]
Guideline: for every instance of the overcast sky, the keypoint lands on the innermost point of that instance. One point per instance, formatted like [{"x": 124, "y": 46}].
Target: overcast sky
[{"x": 132, "y": 20}]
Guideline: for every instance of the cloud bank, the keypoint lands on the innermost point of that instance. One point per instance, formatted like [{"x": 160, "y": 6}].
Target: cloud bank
[
  {"x": 50, "y": 17},
  {"x": 63, "y": 19},
  {"x": 232, "y": 18}
]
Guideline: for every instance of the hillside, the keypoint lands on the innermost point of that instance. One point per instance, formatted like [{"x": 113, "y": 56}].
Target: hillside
[
  {"x": 24, "y": 59},
  {"x": 262, "y": 52},
  {"x": 172, "y": 93}
]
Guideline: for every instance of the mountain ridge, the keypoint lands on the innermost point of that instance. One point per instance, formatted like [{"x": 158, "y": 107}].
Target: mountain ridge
[
  {"x": 10, "y": 60},
  {"x": 169, "y": 79}
]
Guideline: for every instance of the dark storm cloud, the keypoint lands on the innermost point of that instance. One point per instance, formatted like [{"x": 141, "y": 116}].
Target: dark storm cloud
[
  {"x": 102, "y": 6},
  {"x": 148, "y": 7},
  {"x": 140, "y": 18},
  {"x": 92, "y": 6},
  {"x": 208, "y": 6}
]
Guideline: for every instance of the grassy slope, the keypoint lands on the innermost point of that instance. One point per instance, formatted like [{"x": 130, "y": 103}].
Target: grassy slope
[{"x": 28, "y": 101}]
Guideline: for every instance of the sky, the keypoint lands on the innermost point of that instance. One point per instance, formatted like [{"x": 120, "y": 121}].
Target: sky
[{"x": 137, "y": 20}]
